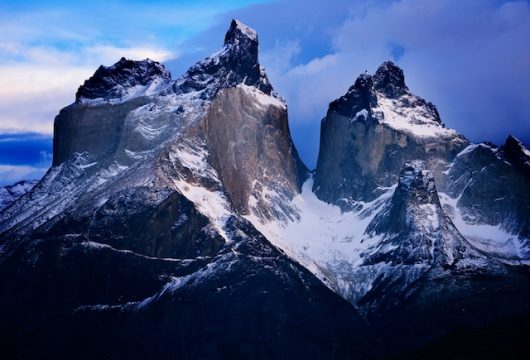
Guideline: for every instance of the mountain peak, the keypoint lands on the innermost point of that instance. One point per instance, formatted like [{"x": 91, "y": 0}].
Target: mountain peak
[
  {"x": 512, "y": 141},
  {"x": 238, "y": 32},
  {"x": 390, "y": 79},
  {"x": 418, "y": 231},
  {"x": 235, "y": 63},
  {"x": 516, "y": 153},
  {"x": 120, "y": 81}
]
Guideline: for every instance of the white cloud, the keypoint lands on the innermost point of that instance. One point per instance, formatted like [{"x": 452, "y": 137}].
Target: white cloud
[
  {"x": 106, "y": 54},
  {"x": 10, "y": 174},
  {"x": 33, "y": 92},
  {"x": 279, "y": 58},
  {"x": 315, "y": 66},
  {"x": 46, "y": 55},
  {"x": 31, "y": 95}
]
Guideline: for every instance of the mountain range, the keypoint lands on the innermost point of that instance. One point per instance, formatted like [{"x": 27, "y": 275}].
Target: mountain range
[{"x": 178, "y": 221}]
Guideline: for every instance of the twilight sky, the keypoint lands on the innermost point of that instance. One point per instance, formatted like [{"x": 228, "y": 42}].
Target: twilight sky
[{"x": 469, "y": 57}]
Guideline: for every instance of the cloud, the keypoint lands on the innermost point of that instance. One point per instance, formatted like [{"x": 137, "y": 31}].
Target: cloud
[
  {"x": 315, "y": 66},
  {"x": 104, "y": 53},
  {"x": 280, "y": 57},
  {"x": 10, "y": 174},
  {"x": 470, "y": 58},
  {"x": 24, "y": 156}
]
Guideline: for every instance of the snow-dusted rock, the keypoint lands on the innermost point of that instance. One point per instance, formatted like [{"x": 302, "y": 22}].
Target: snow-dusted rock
[
  {"x": 10, "y": 193},
  {"x": 179, "y": 215},
  {"x": 140, "y": 216},
  {"x": 362, "y": 154},
  {"x": 486, "y": 195},
  {"x": 123, "y": 81},
  {"x": 235, "y": 63}
]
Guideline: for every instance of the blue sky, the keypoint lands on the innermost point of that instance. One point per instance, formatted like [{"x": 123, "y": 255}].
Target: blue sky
[{"x": 471, "y": 58}]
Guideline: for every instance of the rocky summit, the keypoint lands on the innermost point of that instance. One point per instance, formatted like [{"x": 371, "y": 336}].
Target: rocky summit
[
  {"x": 178, "y": 221},
  {"x": 371, "y": 131}
]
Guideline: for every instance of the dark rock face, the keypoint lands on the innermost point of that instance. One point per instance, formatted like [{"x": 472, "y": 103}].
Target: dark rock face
[
  {"x": 248, "y": 300},
  {"x": 502, "y": 338},
  {"x": 415, "y": 236},
  {"x": 442, "y": 302},
  {"x": 149, "y": 222},
  {"x": 435, "y": 281},
  {"x": 390, "y": 80},
  {"x": 358, "y": 97},
  {"x": 114, "y": 81},
  {"x": 414, "y": 224},
  {"x": 491, "y": 185},
  {"x": 516, "y": 154},
  {"x": 371, "y": 131},
  {"x": 78, "y": 129}
]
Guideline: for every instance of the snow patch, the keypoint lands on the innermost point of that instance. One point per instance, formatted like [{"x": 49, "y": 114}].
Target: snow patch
[
  {"x": 211, "y": 204},
  {"x": 490, "y": 239},
  {"x": 263, "y": 99},
  {"x": 324, "y": 239},
  {"x": 247, "y": 31},
  {"x": 363, "y": 113},
  {"x": 416, "y": 120}
]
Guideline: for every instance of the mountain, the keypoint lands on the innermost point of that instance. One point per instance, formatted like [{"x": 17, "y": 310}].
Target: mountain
[
  {"x": 408, "y": 220},
  {"x": 178, "y": 221},
  {"x": 134, "y": 243},
  {"x": 371, "y": 131},
  {"x": 486, "y": 195}
]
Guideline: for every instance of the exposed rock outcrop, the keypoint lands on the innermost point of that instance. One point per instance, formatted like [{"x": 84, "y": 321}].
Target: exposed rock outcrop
[
  {"x": 122, "y": 81},
  {"x": 371, "y": 131},
  {"x": 486, "y": 194},
  {"x": 235, "y": 63},
  {"x": 414, "y": 227},
  {"x": 251, "y": 148}
]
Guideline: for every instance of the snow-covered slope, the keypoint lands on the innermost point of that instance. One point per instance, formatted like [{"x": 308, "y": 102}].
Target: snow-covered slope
[
  {"x": 326, "y": 240},
  {"x": 364, "y": 222},
  {"x": 10, "y": 193}
]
